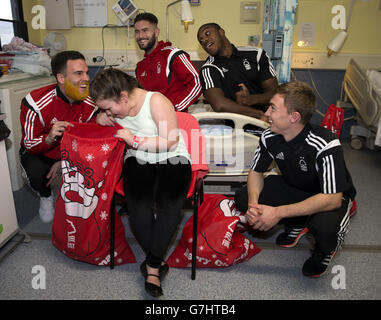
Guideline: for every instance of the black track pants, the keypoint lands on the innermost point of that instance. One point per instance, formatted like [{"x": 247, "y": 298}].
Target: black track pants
[
  {"x": 36, "y": 167},
  {"x": 160, "y": 186}
]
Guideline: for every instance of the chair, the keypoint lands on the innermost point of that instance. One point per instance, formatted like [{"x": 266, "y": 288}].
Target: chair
[{"x": 196, "y": 144}]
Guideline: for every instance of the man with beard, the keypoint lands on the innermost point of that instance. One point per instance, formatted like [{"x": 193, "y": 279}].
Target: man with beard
[
  {"x": 45, "y": 115},
  {"x": 165, "y": 69},
  {"x": 235, "y": 80}
]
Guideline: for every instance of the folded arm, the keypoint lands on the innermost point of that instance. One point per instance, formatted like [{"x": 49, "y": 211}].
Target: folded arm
[
  {"x": 269, "y": 86},
  {"x": 220, "y": 103}
]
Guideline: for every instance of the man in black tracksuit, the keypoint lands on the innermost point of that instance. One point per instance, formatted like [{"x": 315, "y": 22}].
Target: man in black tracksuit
[
  {"x": 237, "y": 80},
  {"x": 314, "y": 192}
]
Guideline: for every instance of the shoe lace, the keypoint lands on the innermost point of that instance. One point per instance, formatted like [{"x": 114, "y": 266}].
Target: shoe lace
[
  {"x": 289, "y": 229},
  {"x": 320, "y": 256},
  {"x": 317, "y": 255}
]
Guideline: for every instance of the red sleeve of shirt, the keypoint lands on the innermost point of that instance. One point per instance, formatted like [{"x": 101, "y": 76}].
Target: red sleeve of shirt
[{"x": 186, "y": 74}]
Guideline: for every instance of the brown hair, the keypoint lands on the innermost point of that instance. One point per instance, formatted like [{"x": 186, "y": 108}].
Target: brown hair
[
  {"x": 298, "y": 96},
  {"x": 147, "y": 16},
  {"x": 109, "y": 83},
  {"x": 59, "y": 61}
]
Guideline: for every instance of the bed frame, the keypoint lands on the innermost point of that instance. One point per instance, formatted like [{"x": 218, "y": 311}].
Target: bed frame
[
  {"x": 360, "y": 92},
  {"x": 230, "y": 156}
]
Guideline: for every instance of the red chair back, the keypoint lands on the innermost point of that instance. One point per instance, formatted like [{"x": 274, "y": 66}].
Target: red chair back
[{"x": 196, "y": 145}]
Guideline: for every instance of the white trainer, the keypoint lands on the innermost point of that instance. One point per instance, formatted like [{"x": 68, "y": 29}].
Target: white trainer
[{"x": 46, "y": 210}]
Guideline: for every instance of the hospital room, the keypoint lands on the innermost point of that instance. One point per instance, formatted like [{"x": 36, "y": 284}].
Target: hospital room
[{"x": 180, "y": 152}]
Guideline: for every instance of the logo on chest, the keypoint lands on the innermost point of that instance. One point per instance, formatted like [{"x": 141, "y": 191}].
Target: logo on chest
[
  {"x": 158, "y": 68},
  {"x": 280, "y": 156},
  {"x": 246, "y": 64},
  {"x": 303, "y": 164}
]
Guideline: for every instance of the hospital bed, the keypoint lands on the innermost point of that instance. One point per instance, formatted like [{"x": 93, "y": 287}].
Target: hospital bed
[
  {"x": 363, "y": 89},
  {"x": 231, "y": 142}
]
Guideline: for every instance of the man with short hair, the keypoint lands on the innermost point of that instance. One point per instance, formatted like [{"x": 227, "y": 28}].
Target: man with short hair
[
  {"x": 314, "y": 192},
  {"x": 165, "y": 69},
  {"x": 45, "y": 115},
  {"x": 237, "y": 80}
]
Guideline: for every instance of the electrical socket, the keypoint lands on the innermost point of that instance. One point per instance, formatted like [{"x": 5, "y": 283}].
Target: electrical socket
[
  {"x": 112, "y": 60},
  {"x": 303, "y": 61},
  {"x": 122, "y": 58},
  {"x": 98, "y": 59},
  {"x": 120, "y": 61},
  {"x": 310, "y": 61}
]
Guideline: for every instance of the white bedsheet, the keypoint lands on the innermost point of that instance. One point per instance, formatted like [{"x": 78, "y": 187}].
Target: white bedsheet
[
  {"x": 374, "y": 78},
  {"x": 215, "y": 130},
  {"x": 377, "y": 141}
]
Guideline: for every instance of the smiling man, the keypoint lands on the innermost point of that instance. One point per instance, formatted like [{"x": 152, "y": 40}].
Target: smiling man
[
  {"x": 314, "y": 192},
  {"x": 165, "y": 69},
  {"x": 235, "y": 80},
  {"x": 45, "y": 115}
]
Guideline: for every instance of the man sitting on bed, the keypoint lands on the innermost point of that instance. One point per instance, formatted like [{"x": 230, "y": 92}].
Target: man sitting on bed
[
  {"x": 314, "y": 192},
  {"x": 235, "y": 80}
]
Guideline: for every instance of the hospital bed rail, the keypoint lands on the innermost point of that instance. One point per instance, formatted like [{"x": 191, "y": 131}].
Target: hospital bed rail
[{"x": 229, "y": 155}]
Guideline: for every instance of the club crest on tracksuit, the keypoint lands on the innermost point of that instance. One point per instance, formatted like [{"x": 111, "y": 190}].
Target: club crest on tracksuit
[
  {"x": 303, "y": 164},
  {"x": 246, "y": 64}
]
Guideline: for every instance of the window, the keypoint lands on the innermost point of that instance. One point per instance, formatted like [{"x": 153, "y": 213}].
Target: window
[{"x": 12, "y": 21}]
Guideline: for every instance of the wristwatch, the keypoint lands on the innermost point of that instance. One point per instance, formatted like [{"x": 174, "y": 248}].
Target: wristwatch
[{"x": 135, "y": 142}]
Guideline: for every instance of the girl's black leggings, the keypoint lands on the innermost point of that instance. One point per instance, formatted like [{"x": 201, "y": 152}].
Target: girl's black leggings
[{"x": 160, "y": 189}]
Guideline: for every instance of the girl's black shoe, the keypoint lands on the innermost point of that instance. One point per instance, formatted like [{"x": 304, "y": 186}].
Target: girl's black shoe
[
  {"x": 163, "y": 270},
  {"x": 153, "y": 289}
]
